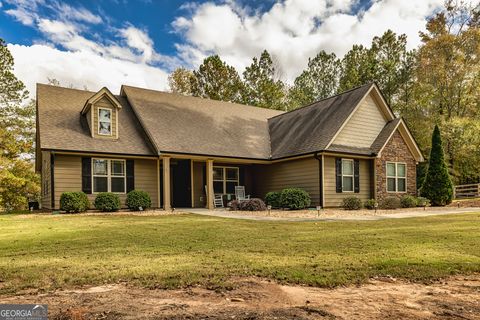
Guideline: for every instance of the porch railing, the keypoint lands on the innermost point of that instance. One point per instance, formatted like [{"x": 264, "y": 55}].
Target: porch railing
[{"x": 467, "y": 191}]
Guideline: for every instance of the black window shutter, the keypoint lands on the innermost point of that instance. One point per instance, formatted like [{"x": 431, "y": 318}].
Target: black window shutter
[
  {"x": 87, "y": 175},
  {"x": 338, "y": 174},
  {"x": 130, "y": 175},
  {"x": 356, "y": 173}
]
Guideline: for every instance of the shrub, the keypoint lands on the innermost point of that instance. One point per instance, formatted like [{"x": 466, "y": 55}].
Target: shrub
[
  {"x": 294, "y": 198},
  {"x": 390, "y": 203},
  {"x": 254, "y": 204},
  {"x": 137, "y": 199},
  {"x": 422, "y": 202},
  {"x": 408, "y": 201},
  {"x": 437, "y": 186},
  {"x": 74, "y": 202},
  {"x": 352, "y": 203},
  {"x": 273, "y": 198},
  {"x": 370, "y": 204},
  {"x": 107, "y": 202}
]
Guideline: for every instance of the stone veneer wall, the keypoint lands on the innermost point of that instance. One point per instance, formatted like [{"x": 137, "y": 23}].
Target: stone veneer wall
[{"x": 396, "y": 150}]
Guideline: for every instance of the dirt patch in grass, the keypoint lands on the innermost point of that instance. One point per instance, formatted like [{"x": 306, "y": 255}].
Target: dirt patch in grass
[
  {"x": 342, "y": 213},
  {"x": 251, "y": 298}
]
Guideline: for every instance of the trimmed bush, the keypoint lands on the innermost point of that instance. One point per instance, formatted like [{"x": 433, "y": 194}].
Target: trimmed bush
[
  {"x": 370, "y": 204},
  {"x": 273, "y": 198},
  {"x": 351, "y": 203},
  {"x": 107, "y": 202},
  {"x": 254, "y": 204},
  {"x": 437, "y": 186},
  {"x": 390, "y": 203},
  {"x": 74, "y": 202},
  {"x": 408, "y": 201},
  {"x": 295, "y": 198},
  {"x": 422, "y": 202},
  {"x": 137, "y": 199}
]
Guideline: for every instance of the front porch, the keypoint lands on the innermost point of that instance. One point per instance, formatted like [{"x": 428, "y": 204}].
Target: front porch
[{"x": 193, "y": 182}]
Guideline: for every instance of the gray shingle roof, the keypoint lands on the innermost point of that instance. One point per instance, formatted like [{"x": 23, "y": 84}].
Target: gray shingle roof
[
  {"x": 351, "y": 150},
  {"x": 61, "y": 127},
  {"x": 383, "y": 136},
  {"x": 182, "y": 124},
  {"x": 175, "y": 123},
  {"x": 311, "y": 128}
]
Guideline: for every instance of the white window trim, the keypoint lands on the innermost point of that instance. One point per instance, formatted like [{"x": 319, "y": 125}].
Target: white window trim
[
  {"x": 349, "y": 175},
  {"x": 109, "y": 175},
  {"x": 98, "y": 122},
  {"x": 396, "y": 177},
  {"x": 225, "y": 180}
]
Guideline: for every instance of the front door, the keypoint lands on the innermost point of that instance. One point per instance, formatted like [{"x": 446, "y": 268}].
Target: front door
[{"x": 181, "y": 184}]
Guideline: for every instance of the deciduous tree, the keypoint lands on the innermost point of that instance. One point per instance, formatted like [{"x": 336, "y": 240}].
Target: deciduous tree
[{"x": 319, "y": 80}]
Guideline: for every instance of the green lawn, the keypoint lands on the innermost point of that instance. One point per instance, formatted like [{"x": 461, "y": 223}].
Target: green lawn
[{"x": 48, "y": 252}]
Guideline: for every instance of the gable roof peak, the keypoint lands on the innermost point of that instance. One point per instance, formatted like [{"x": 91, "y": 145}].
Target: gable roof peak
[{"x": 104, "y": 92}]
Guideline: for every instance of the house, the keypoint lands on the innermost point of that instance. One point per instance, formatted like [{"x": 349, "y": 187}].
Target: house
[{"x": 182, "y": 150}]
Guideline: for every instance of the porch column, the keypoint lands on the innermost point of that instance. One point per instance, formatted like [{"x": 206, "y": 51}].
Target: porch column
[
  {"x": 166, "y": 183},
  {"x": 158, "y": 184},
  {"x": 210, "y": 205}
]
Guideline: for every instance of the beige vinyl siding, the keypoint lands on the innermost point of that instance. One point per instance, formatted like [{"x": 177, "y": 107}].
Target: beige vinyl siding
[
  {"x": 106, "y": 104},
  {"x": 46, "y": 181},
  {"x": 146, "y": 178},
  {"x": 334, "y": 199},
  {"x": 300, "y": 173},
  {"x": 68, "y": 177},
  {"x": 364, "y": 125}
]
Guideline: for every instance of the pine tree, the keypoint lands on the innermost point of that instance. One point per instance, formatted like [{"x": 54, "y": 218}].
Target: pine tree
[
  {"x": 437, "y": 187},
  {"x": 216, "y": 80},
  {"x": 261, "y": 87},
  {"x": 18, "y": 180}
]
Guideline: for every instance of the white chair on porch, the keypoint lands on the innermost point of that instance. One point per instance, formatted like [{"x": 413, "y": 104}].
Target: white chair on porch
[
  {"x": 240, "y": 193},
  {"x": 217, "y": 199}
]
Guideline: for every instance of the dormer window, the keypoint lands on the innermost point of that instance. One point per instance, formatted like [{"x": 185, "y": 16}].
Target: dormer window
[
  {"x": 104, "y": 122},
  {"x": 102, "y": 111}
]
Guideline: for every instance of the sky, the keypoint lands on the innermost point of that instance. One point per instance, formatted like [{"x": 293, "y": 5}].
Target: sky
[{"x": 97, "y": 43}]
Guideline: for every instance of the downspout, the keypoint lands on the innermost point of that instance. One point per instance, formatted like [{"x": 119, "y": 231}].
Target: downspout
[{"x": 320, "y": 176}]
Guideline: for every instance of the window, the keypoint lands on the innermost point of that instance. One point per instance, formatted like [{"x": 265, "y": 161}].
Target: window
[
  {"x": 105, "y": 121},
  {"x": 347, "y": 175},
  {"x": 396, "y": 177},
  {"x": 225, "y": 179},
  {"x": 108, "y": 175}
]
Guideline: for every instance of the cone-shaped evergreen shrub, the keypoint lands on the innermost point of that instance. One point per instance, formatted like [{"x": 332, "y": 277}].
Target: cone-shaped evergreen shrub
[{"x": 437, "y": 186}]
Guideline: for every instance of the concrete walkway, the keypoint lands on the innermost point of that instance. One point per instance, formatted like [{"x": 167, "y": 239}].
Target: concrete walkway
[{"x": 231, "y": 214}]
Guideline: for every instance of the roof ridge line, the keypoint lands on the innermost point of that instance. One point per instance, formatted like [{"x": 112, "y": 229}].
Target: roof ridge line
[
  {"x": 201, "y": 98},
  {"x": 326, "y": 98}
]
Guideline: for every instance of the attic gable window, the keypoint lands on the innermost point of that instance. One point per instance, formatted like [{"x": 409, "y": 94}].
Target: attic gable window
[{"x": 104, "y": 121}]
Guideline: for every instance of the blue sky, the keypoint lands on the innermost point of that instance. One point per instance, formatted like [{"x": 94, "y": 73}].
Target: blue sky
[{"x": 109, "y": 42}]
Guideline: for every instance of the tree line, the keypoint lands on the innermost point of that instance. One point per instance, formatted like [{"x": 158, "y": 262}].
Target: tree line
[{"x": 436, "y": 83}]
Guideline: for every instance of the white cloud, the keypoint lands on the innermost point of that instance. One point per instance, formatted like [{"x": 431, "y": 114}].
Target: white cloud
[
  {"x": 38, "y": 62},
  {"x": 139, "y": 40},
  {"x": 294, "y": 30},
  {"x": 69, "y": 53},
  {"x": 77, "y": 14}
]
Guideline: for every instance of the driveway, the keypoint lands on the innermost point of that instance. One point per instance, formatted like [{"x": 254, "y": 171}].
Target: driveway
[{"x": 221, "y": 213}]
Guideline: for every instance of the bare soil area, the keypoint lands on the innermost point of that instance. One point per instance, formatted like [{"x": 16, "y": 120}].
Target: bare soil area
[
  {"x": 251, "y": 298},
  {"x": 342, "y": 213}
]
